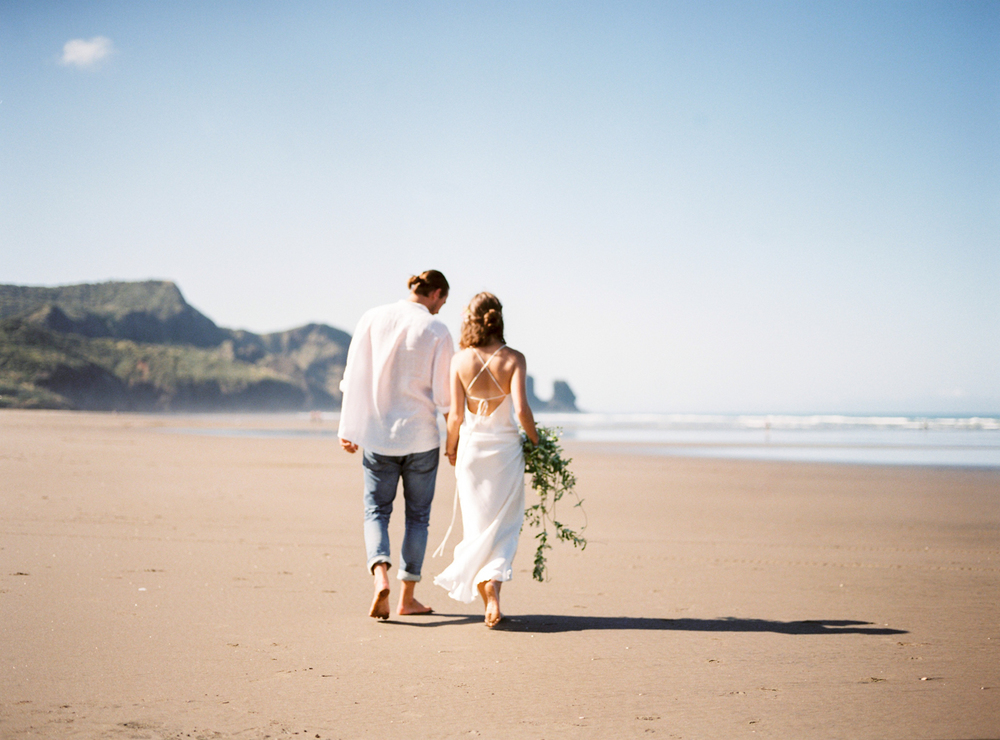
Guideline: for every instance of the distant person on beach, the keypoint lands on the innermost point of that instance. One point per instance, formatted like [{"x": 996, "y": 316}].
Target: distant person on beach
[
  {"x": 395, "y": 383},
  {"x": 488, "y": 379}
]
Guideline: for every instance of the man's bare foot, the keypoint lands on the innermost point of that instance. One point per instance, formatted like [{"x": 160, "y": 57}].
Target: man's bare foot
[
  {"x": 380, "y": 604},
  {"x": 492, "y": 591},
  {"x": 413, "y": 607},
  {"x": 408, "y": 604}
]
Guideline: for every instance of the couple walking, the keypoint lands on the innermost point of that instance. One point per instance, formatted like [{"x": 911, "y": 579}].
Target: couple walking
[{"x": 401, "y": 371}]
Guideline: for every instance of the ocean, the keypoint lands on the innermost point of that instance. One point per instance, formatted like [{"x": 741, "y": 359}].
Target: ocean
[
  {"x": 972, "y": 441},
  {"x": 955, "y": 441}
]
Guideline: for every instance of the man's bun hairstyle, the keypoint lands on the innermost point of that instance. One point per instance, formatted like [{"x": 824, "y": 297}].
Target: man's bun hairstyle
[{"x": 427, "y": 282}]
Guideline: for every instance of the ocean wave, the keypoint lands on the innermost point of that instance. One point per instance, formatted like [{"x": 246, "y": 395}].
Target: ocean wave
[{"x": 770, "y": 421}]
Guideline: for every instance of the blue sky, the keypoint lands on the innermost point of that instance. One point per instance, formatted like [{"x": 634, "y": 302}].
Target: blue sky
[{"x": 698, "y": 207}]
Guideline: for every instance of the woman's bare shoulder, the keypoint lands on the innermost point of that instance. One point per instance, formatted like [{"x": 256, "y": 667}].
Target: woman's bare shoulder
[
  {"x": 462, "y": 358},
  {"x": 512, "y": 356}
]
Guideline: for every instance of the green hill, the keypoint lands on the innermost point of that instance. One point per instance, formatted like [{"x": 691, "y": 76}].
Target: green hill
[
  {"x": 151, "y": 311},
  {"x": 142, "y": 347}
]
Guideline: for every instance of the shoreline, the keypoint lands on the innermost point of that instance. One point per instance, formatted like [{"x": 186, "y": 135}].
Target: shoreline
[
  {"x": 893, "y": 448},
  {"x": 160, "y": 585}
]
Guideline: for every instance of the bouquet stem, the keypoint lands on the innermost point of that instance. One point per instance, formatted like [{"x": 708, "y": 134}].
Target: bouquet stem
[{"x": 551, "y": 479}]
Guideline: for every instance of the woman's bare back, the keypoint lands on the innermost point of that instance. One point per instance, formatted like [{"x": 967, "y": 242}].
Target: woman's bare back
[{"x": 486, "y": 374}]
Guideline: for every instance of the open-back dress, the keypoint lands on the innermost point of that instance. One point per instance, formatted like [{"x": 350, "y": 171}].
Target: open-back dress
[{"x": 489, "y": 473}]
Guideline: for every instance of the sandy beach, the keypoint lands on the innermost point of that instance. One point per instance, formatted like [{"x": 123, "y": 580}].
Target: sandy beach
[{"x": 159, "y": 583}]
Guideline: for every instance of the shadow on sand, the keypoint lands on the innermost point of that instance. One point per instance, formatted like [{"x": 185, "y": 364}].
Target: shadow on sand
[{"x": 550, "y": 623}]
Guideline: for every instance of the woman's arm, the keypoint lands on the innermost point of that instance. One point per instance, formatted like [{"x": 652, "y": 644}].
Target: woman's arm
[
  {"x": 518, "y": 389},
  {"x": 457, "y": 412}
]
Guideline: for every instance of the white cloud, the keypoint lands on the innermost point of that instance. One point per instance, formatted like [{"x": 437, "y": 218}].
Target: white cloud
[{"x": 81, "y": 53}]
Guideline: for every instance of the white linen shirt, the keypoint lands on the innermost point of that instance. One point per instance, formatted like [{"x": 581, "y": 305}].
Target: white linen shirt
[{"x": 396, "y": 380}]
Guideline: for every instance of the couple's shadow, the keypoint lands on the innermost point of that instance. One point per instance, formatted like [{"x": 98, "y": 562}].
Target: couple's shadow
[{"x": 552, "y": 623}]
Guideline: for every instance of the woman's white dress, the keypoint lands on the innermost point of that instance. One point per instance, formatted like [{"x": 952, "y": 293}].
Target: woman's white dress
[{"x": 489, "y": 472}]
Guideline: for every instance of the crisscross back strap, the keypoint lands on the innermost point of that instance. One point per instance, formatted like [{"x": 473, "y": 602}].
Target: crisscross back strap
[
  {"x": 484, "y": 402},
  {"x": 486, "y": 367}
]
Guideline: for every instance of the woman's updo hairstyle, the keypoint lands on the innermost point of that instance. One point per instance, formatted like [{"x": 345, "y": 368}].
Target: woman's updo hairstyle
[
  {"x": 427, "y": 282},
  {"x": 482, "y": 323}
]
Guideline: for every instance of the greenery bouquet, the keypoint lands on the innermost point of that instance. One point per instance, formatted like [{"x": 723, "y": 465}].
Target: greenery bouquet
[{"x": 552, "y": 479}]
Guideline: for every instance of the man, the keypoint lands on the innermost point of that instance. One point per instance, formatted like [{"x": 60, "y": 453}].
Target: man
[{"x": 395, "y": 382}]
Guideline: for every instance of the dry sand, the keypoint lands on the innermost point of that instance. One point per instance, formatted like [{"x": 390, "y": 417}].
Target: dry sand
[{"x": 158, "y": 584}]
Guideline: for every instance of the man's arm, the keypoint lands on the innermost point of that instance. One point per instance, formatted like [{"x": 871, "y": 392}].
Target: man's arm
[
  {"x": 356, "y": 373},
  {"x": 441, "y": 373}
]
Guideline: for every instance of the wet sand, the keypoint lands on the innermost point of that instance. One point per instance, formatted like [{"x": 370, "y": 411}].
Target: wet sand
[{"x": 158, "y": 584}]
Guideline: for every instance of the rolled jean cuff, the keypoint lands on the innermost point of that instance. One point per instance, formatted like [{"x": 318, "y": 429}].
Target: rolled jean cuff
[
  {"x": 376, "y": 560},
  {"x": 404, "y": 576}
]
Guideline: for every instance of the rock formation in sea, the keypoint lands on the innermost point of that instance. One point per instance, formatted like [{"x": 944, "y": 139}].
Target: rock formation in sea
[{"x": 563, "y": 399}]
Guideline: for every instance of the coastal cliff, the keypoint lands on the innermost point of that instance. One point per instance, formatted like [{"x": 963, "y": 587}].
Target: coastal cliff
[
  {"x": 140, "y": 346},
  {"x": 122, "y": 346}
]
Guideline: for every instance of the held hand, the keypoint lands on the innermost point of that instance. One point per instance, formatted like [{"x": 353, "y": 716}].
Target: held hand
[
  {"x": 452, "y": 456},
  {"x": 348, "y": 446}
]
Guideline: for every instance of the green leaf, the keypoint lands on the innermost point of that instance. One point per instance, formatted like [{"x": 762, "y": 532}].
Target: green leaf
[{"x": 551, "y": 479}]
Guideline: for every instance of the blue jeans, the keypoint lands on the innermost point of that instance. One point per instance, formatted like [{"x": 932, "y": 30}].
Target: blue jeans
[{"x": 382, "y": 474}]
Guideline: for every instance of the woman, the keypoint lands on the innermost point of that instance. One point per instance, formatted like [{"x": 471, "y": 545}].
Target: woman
[{"x": 488, "y": 379}]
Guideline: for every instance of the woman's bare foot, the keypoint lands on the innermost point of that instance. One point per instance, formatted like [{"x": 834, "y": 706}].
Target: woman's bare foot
[
  {"x": 380, "y": 604},
  {"x": 408, "y": 604},
  {"x": 492, "y": 591}
]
